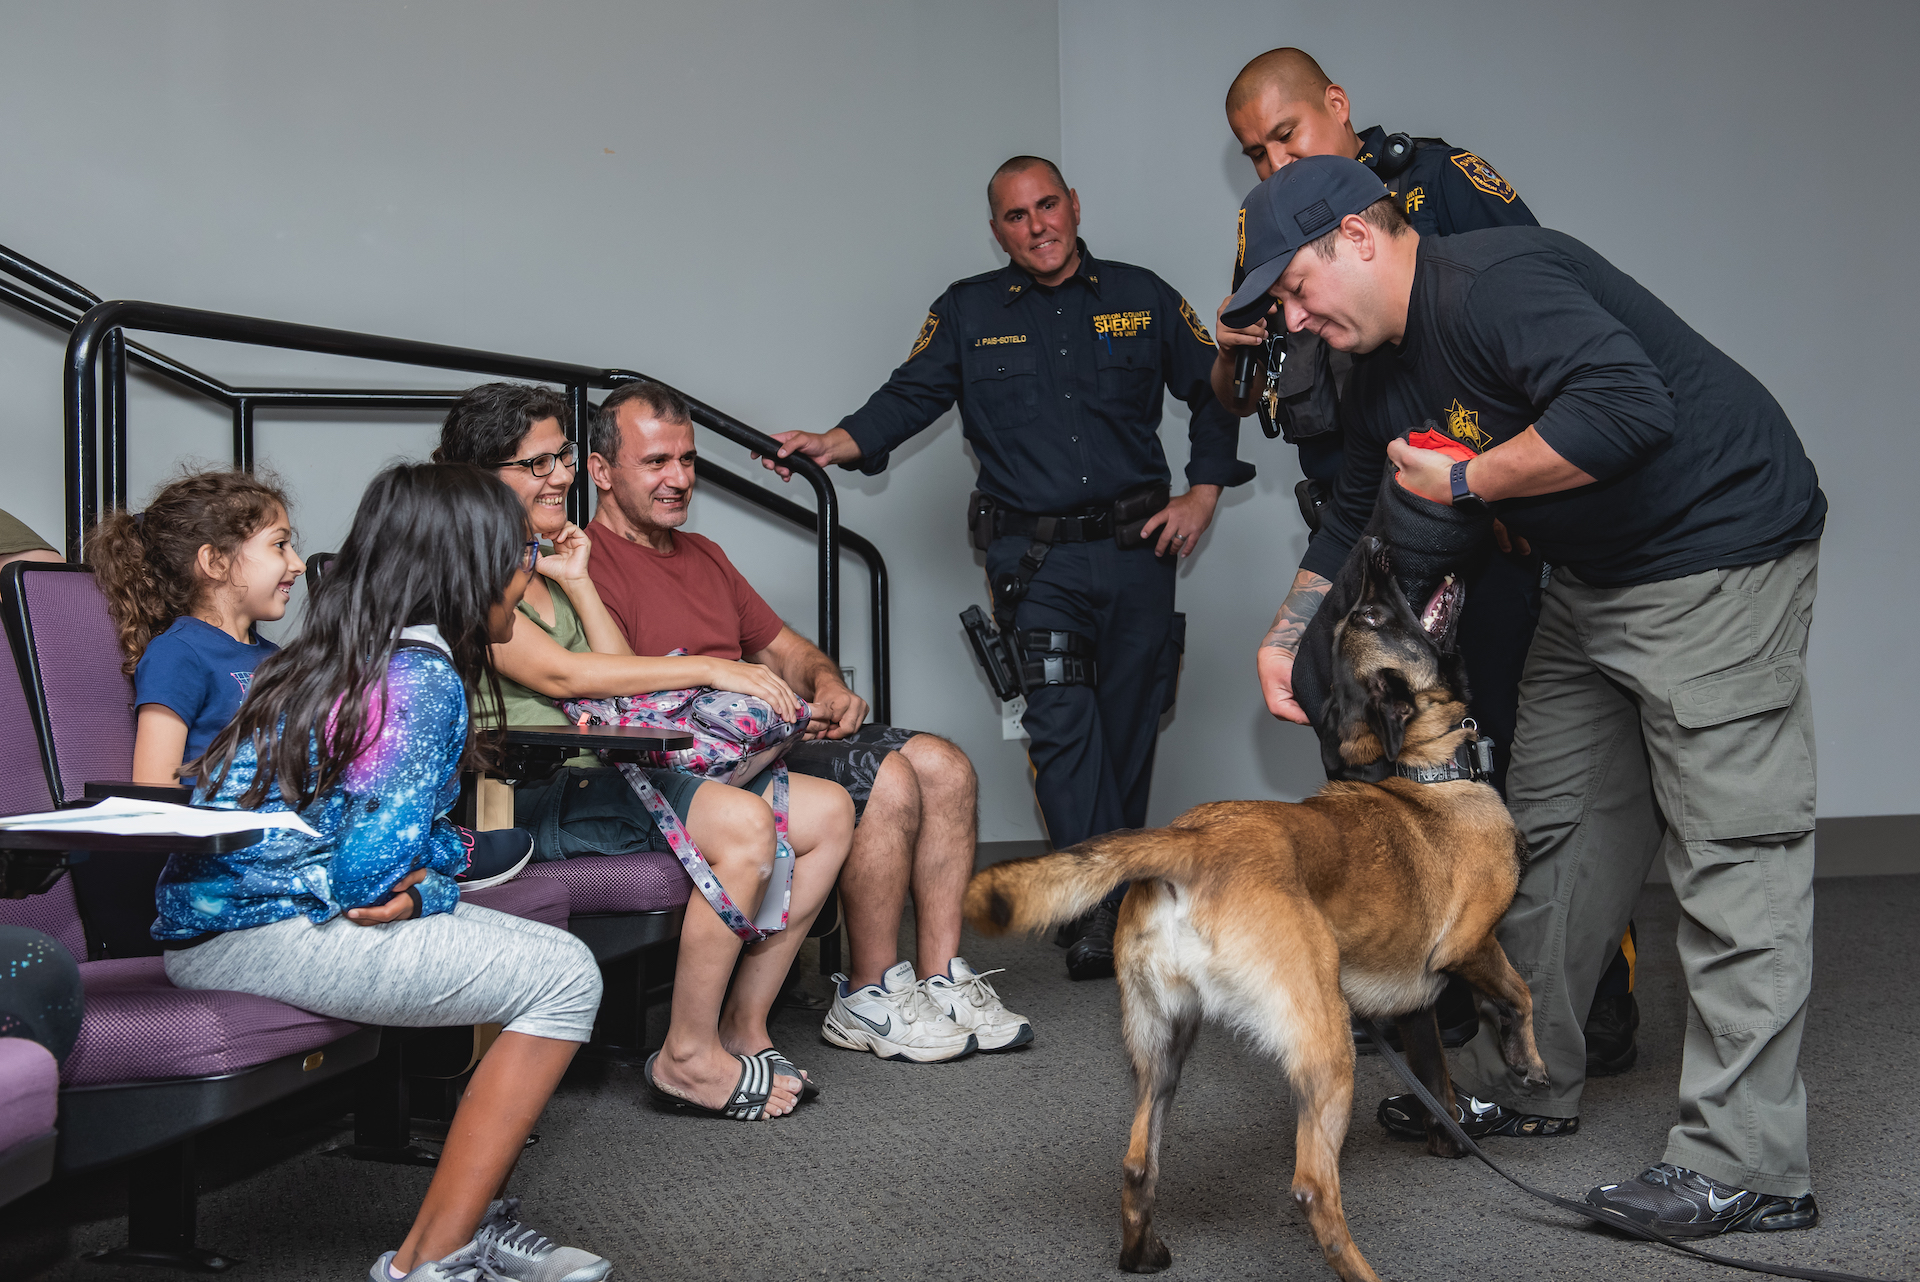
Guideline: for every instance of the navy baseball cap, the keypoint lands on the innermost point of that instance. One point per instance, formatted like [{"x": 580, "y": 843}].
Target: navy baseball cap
[{"x": 1302, "y": 202}]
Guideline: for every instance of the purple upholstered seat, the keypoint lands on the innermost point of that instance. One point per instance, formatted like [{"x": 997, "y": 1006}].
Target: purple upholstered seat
[
  {"x": 53, "y": 913},
  {"x": 640, "y": 882},
  {"x": 536, "y": 900},
  {"x": 29, "y": 1090},
  {"x": 89, "y": 701},
  {"x": 139, "y": 1027}
]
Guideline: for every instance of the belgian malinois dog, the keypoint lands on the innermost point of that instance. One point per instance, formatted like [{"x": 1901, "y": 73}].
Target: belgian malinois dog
[{"x": 1277, "y": 918}]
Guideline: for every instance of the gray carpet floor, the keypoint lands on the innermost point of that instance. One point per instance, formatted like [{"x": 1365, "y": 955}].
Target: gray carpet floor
[{"x": 1007, "y": 1166}]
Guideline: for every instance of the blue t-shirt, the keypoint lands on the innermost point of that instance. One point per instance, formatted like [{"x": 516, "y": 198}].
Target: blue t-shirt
[{"x": 201, "y": 673}]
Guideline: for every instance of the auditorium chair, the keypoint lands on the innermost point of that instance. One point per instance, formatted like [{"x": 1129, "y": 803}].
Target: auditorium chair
[{"x": 155, "y": 1065}]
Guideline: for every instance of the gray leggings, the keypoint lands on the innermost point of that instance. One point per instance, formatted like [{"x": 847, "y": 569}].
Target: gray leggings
[{"x": 470, "y": 966}]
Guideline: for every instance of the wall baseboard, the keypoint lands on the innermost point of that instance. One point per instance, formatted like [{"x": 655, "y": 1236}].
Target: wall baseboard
[{"x": 1848, "y": 846}]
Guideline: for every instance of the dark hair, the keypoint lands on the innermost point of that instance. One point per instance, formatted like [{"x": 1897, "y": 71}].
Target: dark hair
[
  {"x": 432, "y": 543},
  {"x": 1019, "y": 165},
  {"x": 485, "y": 425},
  {"x": 148, "y": 565},
  {"x": 1384, "y": 214},
  {"x": 661, "y": 402}
]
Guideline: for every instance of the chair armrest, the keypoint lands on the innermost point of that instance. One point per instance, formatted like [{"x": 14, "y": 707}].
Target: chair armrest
[
  {"x": 596, "y": 738},
  {"x": 96, "y": 789}
]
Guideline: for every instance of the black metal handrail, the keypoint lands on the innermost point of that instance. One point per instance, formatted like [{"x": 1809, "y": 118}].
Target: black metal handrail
[{"x": 98, "y": 351}]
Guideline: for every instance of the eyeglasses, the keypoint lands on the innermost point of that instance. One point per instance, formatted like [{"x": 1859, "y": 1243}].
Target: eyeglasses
[
  {"x": 543, "y": 464},
  {"x": 530, "y": 552}
]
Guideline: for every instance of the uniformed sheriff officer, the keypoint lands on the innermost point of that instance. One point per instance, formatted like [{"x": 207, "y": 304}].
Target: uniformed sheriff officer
[
  {"x": 1282, "y": 108},
  {"x": 1059, "y": 362},
  {"x": 1665, "y": 711}
]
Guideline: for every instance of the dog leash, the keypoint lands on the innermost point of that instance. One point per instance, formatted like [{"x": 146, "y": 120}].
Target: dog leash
[{"x": 1445, "y": 1117}]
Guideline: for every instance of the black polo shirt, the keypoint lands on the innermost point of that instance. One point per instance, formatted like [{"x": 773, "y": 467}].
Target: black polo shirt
[
  {"x": 1696, "y": 465},
  {"x": 1060, "y": 389}
]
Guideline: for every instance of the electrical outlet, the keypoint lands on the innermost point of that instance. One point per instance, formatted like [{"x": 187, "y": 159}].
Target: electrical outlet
[
  {"x": 846, "y": 678},
  {"x": 1010, "y": 713}
]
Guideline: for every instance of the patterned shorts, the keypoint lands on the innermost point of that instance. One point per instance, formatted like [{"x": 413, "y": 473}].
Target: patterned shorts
[{"x": 852, "y": 762}]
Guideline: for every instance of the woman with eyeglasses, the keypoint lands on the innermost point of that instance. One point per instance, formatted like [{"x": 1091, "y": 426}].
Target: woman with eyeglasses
[{"x": 565, "y": 645}]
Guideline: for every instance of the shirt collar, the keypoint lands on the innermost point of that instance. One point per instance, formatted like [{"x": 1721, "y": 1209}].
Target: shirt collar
[
  {"x": 1016, "y": 283},
  {"x": 428, "y": 633},
  {"x": 1372, "y": 142}
]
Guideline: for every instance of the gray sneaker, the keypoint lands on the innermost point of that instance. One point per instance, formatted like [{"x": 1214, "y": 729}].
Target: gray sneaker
[
  {"x": 523, "y": 1254},
  {"x": 468, "y": 1264}
]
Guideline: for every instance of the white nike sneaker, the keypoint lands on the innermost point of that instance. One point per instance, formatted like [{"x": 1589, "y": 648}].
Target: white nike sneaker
[
  {"x": 969, "y": 1001},
  {"x": 522, "y": 1254},
  {"x": 895, "y": 1020}
]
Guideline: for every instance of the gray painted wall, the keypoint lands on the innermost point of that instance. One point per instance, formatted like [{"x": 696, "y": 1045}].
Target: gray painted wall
[
  {"x": 1731, "y": 155},
  {"x": 757, "y": 202},
  {"x": 754, "y": 201}
]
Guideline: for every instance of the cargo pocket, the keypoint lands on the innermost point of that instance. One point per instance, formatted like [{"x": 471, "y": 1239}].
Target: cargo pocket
[
  {"x": 1170, "y": 658},
  {"x": 1744, "y": 762},
  {"x": 584, "y": 811}
]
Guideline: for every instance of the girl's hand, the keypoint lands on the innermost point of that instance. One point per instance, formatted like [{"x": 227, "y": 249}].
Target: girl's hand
[
  {"x": 567, "y": 563},
  {"x": 757, "y": 680},
  {"x": 397, "y": 908}
]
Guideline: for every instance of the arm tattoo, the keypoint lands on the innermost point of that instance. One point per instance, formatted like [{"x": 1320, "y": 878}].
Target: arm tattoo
[{"x": 1302, "y": 603}]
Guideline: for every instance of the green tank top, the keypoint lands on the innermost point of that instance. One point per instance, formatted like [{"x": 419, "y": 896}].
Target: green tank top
[{"x": 526, "y": 707}]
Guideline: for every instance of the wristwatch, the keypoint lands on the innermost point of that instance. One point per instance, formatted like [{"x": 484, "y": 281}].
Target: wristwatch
[{"x": 1463, "y": 498}]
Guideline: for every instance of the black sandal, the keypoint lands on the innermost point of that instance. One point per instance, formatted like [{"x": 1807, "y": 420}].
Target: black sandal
[
  {"x": 747, "y": 1104},
  {"x": 781, "y": 1066}
]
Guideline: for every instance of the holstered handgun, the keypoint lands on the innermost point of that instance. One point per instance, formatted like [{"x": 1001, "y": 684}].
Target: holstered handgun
[{"x": 994, "y": 650}]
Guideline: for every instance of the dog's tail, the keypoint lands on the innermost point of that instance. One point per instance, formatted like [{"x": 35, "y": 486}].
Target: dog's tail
[{"x": 1032, "y": 894}]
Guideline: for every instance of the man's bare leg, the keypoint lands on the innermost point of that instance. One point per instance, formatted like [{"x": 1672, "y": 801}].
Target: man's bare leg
[
  {"x": 879, "y": 868},
  {"x": 944, "y": 852}
]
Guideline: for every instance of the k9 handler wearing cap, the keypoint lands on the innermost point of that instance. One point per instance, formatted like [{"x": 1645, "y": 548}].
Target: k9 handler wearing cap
[
  {"x": 1060, "y": 363},
  {"x": 1664, "y": 708}
]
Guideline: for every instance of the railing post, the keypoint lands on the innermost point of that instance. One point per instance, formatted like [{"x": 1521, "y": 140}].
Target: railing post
[
  {"x": 243, "y": 434},
  {"x": 81, "y": 406},
  {"x": 113, "y": 449},
  {"x": 580, "y": 432}
]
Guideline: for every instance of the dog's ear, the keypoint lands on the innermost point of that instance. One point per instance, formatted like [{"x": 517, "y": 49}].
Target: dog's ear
[
  {"x": 1389, "y": 707},
  {"x": 1341, "y": 720}
]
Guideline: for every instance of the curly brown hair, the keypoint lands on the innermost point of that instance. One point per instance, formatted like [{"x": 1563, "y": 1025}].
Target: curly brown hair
[{"x": 147, "y": 565}]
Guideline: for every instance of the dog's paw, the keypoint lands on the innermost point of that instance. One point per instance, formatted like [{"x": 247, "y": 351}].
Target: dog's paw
[
  {"x": 1441, "y": 1144},
  {"x": 1149, "y": 1256}
]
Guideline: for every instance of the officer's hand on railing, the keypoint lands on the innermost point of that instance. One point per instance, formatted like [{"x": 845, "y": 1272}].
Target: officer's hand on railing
[
  {"x": 757, "y": 680},
  {"x": 837, "y": 712},
  {"x": 1275, "y": 667},
  {"x": 1183, "y": 520},
  {"x": 824, "y": 448}
]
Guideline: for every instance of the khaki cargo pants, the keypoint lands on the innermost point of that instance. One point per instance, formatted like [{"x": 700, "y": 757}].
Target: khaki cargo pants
[{"x": 1673, "y": 718}]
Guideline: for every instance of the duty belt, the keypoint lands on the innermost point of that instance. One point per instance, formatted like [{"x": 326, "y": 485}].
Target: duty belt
[{"x": 1088, "y": 526}]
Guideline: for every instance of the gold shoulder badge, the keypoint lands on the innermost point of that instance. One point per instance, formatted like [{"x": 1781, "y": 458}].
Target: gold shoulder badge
[
  {"x": 1483, "y": 176},
  {"x": 1240, "y": 258},
  {"x": 1193, "y": 323},
  {"x": 926, "y": 335},
  {"x": 1463, "y": 424}
]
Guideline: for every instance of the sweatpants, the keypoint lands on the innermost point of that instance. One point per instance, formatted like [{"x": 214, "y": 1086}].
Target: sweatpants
[
  {"x": 470, "y": 966},
  {"x": 1673, "y": 719}
]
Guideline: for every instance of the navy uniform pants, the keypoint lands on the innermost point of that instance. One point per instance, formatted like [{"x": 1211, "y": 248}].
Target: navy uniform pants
[{"x": 1092, "y": 749}]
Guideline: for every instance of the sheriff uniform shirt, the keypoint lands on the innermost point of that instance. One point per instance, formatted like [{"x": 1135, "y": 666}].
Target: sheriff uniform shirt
[
  {"x": 1060, "y": 388},
  {"x": 1695, "y": 464}
]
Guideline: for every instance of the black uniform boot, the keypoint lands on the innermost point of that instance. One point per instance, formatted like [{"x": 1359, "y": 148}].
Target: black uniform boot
[{"x": 1091, "y": 955}]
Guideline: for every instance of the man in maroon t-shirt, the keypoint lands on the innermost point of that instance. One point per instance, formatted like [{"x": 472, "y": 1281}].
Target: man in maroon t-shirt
[{"x": 914, "y": 794}]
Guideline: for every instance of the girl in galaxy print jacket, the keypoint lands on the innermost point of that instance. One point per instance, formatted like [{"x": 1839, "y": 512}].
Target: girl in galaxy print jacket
[{"x": 380, "y": 810}]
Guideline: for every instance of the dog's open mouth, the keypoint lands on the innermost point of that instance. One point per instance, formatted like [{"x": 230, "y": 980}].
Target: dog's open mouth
[{"x": 1442, "y": 608}]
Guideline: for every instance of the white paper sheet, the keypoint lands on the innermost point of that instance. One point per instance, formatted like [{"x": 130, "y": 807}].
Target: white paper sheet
[{"x": 126, "y": 817}]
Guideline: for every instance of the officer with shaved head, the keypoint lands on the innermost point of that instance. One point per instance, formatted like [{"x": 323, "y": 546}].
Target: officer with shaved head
[
  {"x": 1061, "y": 362},
  {"x": 1283, "y": 108}
]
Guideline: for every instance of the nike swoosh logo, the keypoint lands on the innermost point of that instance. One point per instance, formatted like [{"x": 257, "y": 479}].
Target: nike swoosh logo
[
  {"x": 880, "y": 1030},
  {"x": 1715, "y": 1205},
  {"x": 1479, "y": 1109}
]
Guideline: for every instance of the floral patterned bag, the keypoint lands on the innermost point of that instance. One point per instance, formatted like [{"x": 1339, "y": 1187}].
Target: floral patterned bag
[{"x": 736, "y": 736}]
